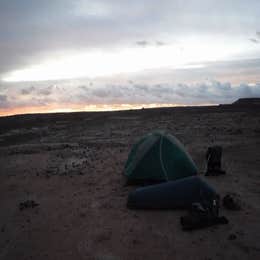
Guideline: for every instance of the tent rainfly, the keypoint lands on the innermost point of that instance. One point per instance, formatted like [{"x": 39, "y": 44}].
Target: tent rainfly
[{"x": 157, "y": 157}]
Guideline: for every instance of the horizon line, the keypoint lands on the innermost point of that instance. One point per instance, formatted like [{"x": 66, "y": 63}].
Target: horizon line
[{"x": 122, "y": 107}]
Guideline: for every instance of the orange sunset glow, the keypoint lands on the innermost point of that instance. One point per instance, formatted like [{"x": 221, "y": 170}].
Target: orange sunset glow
[{"x": 77, "y": 108}]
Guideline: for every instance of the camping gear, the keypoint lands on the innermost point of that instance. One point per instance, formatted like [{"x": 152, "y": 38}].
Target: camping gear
[
  {"x": 231, "y": 202},
  {"x": 158, "y": 157},
  {"x": 213, "y": 157},
  {"x": 173, "y": 194},
  {"x": 202, "y": 217}
]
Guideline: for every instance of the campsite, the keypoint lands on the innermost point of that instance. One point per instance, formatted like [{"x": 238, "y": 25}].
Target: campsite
[{"x": 71, "y": 166}]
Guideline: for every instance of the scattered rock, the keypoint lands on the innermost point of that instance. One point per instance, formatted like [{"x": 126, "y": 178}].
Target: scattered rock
[
  {"x": 135, "y": 241},
  {"x": 3, "y": 229},
  {"x": 28, "y": 204},
  {"x": 103, "y": 237},
  {"x": 232, "y": 237},
  {"x": 231, "y": 202},
  {"x": 82, "y": 214}
]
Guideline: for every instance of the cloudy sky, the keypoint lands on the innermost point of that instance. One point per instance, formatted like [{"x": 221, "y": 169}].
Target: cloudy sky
[{"x": 63, "y": 55}]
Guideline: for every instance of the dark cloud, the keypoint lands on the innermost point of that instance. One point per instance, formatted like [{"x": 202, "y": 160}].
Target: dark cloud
[
  {"x": 27, "y": 91},
  {"x": 42, "y": 91},
  {"x": 209, "y": 92},
  {"x": 200, "y": 93},
  {"x": 3, "y": 98},
  {"x": 254, "y": 40},
  {"x": 4, "y": 101},
  {"x": 160, "y": 43},
  {"x": 33, "y": 30},
  {"x": 142, "y": 43},
  {"x": 170, "y": 86},
  {"x": 45, "y": 91}
]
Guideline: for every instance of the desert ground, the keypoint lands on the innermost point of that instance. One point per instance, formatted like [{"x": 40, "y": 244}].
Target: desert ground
[{"x": 72, "y": 165}]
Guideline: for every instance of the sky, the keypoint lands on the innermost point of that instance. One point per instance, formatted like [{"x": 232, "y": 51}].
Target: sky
[{"x": 62, "y": 55}]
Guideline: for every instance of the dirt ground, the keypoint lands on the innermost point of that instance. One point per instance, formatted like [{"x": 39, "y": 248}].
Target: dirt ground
[{"x": 72, "y": 165}]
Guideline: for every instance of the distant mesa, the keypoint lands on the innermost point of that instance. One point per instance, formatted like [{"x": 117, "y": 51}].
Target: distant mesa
[
  {"x": 243, "y": 102},
  {"x": 247, "y": 101}
]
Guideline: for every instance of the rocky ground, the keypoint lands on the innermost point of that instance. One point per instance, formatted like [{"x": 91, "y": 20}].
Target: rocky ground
[{"x": 72, "y": 165}]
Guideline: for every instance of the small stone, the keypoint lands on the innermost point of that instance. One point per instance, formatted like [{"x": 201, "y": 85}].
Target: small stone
[
  {"x": 232, "y": 237},
  {"x": 232, "y": 202},
  {"x": 28, "y": 204},
  {"x": 135, "y": 241},
  {"x": 82, "y": 214}
]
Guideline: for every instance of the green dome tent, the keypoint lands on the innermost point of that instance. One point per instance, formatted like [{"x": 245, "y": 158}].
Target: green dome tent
[{"x": 157, "y": 157}]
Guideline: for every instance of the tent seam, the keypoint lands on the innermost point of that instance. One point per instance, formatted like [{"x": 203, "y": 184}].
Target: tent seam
[{"x": 161, "y": 160}]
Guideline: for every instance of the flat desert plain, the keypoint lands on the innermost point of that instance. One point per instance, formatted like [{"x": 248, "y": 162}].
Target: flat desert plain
[{"x": 72, "y": 166}]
